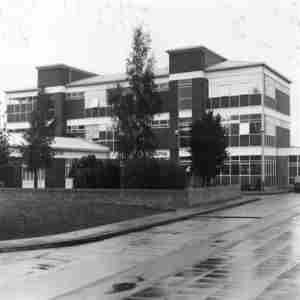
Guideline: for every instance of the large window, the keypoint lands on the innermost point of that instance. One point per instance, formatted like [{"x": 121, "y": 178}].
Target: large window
[
  {"x": 75, "y": 96},
  {"x": 160, "y": 124},
  {"x": 95, "y": 112},
  {"x": 161, "y": 87},
  {"x": 247, "y": 170},
  {"x": 185, "y": 94},
  {"x": 234, "y": 101},
  {"x": 107, "y": 138},
  {"x": 76, "y": 130},
  {"x": 244, "y": 130},
  {"x": 184, "y": 125},
  {"x": 19, "y": 109}
]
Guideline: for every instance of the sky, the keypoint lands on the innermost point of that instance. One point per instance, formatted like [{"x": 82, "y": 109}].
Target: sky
[{"x": 96, "y": 35}]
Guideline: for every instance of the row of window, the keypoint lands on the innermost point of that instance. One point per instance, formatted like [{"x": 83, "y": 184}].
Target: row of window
[
  {"x": 75, "y": 96},
  {"x": 107, "y": 138},
  {"x": 245, "y": 118},
  {"x": 28, "y": 175},
  {"x": 244, "y": 179},
  {"x": 160, "y": 123},
  {"x": 249, "y": 140},
  {"x": 22, "y": 107},
  {"x": 250, "y": 167},
  {"x": 18, "y": 117},
  {"x": 253, "y": 127},
  {"x": 76, "y": 130},
  {"x": 98, "y": 112},
  {"x": 81, "y": 95},
  {"x": 185, "y": 94},
  {"x": 234, "y": 101}
]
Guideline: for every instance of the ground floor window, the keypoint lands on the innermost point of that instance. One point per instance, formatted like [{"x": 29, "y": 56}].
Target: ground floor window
[
  {"x": 247, "y": 170},
  {"x": 294, "y": 167}
]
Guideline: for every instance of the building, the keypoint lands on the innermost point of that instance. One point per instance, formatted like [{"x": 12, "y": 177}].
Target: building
[
  {"x": 251, "y": 97},
  {"x": 66, "y": 150}
]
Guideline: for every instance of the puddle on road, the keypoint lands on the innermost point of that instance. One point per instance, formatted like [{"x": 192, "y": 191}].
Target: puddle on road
[
  {"x": 228, "y": 217},
  {"x": 125, "y": 285}
]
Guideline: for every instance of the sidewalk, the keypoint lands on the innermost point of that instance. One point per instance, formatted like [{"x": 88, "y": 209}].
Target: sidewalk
[
  {"x": 268, "y": 191},
  {"x": 116, "y": 229}
]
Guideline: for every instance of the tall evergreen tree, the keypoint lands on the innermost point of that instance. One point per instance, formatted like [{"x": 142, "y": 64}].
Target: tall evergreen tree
[
  {"x": 134, "y": 107},
  {"x": 37, "y": 152},
  {"x": 208, "y": 147}
]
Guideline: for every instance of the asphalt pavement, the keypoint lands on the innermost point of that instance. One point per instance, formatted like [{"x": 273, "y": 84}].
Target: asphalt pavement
[{"x": 247, "y": 252}]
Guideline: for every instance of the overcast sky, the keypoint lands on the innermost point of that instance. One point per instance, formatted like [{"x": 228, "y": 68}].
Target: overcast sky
[{"x": 96, "y": 35}]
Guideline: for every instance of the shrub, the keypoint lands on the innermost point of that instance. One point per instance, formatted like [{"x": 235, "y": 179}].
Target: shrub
[
  {"x": 10, "y": 175},
  {"x": 153, "y": 174},
  {"x": 88, "y": 172}
]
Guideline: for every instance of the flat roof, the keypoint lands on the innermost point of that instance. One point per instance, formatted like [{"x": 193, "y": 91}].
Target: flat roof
[
  {"x": 22, "y": 90},
  {"x": 62, "y": 143},
  {"x": 193, "y": 49},
  {"x": 232, "y": 64},
  {"x": 64, "y": 66},
  {"x": 110, "y": 78}
]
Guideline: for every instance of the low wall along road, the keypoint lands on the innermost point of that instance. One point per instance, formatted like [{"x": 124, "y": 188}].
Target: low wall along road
[{"x": 158, "y": 199}]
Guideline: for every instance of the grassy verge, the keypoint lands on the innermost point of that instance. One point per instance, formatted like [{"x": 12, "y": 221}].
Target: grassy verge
[{"x": 32, "y": 218}]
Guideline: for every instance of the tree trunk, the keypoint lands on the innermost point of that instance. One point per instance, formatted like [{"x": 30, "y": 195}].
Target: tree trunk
[{"x": 35, "y": 178}]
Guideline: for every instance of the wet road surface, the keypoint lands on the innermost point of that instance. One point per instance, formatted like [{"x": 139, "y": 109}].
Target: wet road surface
[{"x": 247, "y": 252}]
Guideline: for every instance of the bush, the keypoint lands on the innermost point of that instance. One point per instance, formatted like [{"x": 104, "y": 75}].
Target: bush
[
  {"x": 88, "y": 172},
  {"x": 154, "y": 174},
  {"x": 10, "y": 175}
]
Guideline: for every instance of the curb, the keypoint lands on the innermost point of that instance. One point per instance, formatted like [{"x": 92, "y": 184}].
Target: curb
[
  {"x": 122, "y": 228},
  {"x": 266, "y": 193}
]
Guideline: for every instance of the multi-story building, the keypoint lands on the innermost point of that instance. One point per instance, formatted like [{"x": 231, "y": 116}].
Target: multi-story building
[{"x": 251, "y": 97}]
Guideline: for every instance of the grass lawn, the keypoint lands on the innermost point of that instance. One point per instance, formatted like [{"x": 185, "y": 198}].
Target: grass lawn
[{"x": 32, "y": 218}]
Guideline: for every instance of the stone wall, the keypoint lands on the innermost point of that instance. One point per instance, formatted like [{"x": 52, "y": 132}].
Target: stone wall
[{"x": 161, "y": 199}]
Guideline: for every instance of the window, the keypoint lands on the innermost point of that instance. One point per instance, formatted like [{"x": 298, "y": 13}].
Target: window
[
  {"x": 75, "y": 96},
  {"x": 234, "y": 129},
  {"x": 244, "y": 100},
  {"x": 255, "y": 139},
  {"x": 68, "y": 166},
  {"x": 76, "y": 130},
  {"x": 244, "y": 140},
  {"x": 215, "y": 102},
  {"x": 185, "y": 94},
  {"x": 255, "y": 127},
  {"x": 224, "y": 102},
  {"x": 185, "y": 122},
  {"x": 19, "y": 109},
  {"x": 234, "y": 141},
  {"x": 160, "y": 124},
  {"x": 106, "y": 138},
  {"x": 234, "y": 101},
  {"x": 95, "y": 112},
  {"x": 162, "y": 87},
  {"x": 255, "y": 99}
]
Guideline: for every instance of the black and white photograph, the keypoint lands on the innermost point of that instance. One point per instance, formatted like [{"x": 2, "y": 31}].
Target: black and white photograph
[{"x": 150, "y": 150}]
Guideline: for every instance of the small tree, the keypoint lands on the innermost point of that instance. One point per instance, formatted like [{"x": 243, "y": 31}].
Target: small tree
[
  {"x": 134, "y": 107},
  {"x": 37, "y": 152},
  {"x": 208, "y": 147},
  {"x": 4, "y": 149}
]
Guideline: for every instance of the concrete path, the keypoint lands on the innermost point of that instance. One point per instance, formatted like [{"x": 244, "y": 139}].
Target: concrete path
[{"x": 241, "y": 253}]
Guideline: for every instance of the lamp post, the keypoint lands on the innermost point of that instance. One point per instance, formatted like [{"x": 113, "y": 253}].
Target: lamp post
[
  {"x": 262, "y": 186},
  {"x": 177, "y": 134},
  {"x": 121, "y": 134},
  {"x": 263, "y": 132}
]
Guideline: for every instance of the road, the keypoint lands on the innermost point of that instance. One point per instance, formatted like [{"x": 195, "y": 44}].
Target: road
[{"x": 246, "y": 253}]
